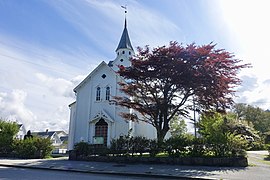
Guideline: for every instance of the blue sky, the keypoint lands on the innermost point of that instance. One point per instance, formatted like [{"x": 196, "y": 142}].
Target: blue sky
[{"x": 48, "y": 46}]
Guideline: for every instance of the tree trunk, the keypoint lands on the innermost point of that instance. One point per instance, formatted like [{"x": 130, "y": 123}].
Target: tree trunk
[{"x": 161, "y": 133}]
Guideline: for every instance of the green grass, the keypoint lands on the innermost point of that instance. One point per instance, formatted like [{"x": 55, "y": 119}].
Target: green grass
[{"x": 162, "y": 155}]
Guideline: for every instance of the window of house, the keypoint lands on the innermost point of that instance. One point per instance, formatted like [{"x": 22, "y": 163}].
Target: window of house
[
  {"x": 98, "y": 94},
  {"x": 123, "y": 52},
  {"x": 108, "y": 93},
  {"x": 129, "y": 53}
]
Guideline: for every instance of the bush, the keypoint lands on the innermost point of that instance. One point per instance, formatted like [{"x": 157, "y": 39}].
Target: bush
[
  {"x": 120, "y": 146},
  {"x": 236, "y": 145},
  {"x": 178, "y": 146},
  {"x": 32, "y": 148},
  {"x": 256, "y": 145},
  {"x": 155, "y": 147},
  {"x": 25, "y": 149},
  {"x": 85, "y": 149},
  {"x": 82, "y": 149},
  {"x": 197, "y": 149},
  {"x": 7, "y": 132},
  {"x": 139, "y": 145},
  {"x": 44, "y": 147}
]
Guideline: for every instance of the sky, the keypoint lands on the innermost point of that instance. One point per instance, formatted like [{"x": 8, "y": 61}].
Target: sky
[{"x": 47, "y": 47}]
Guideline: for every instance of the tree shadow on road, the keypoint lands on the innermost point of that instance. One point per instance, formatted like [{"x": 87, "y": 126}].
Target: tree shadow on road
[{"x": 267, "y": 158}]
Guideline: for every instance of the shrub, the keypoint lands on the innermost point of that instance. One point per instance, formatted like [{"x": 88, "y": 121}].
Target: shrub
[
  {"x": 120, "y": 146},
  {"x": 7, "y": 132},
  {"x": 154, "y": 148},
  {"x": 236, "y": 145},
  {"x": 44, "y": 147},
  {"x": 139, "y": 144},
  {"x": 82, "y": 149},
  {"x": 178, "y": 146},
  {"x": 256, "y": 145},
  {"x": 32, "y": 148},
  {"x": 25, "y": 149},
  {"x": 197, "y": 148}
]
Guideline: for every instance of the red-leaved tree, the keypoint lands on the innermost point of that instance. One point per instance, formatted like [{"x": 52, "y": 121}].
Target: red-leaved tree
[{"x": 162, "y": 82}]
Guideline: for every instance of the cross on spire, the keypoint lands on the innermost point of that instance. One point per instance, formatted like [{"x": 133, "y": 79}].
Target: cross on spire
[{"x": 124, "y": 7}]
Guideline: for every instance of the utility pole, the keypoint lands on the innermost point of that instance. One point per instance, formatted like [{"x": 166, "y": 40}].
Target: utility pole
[{"x": 194, "y": 118}]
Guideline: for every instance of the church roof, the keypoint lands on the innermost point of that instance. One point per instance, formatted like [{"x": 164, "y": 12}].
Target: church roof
[{"x": 124, "y": 41}]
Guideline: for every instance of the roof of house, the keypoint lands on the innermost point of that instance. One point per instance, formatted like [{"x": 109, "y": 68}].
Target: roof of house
[
  {"x": 45, "y": 134},
  {"x": 64, "y": 138}
]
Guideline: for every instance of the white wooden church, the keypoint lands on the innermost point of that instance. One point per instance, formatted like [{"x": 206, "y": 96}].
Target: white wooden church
[{"x": 94, "y": 117}]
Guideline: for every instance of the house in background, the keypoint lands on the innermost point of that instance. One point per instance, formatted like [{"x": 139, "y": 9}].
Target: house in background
[
  {"x": 58, "y": 139},
  {"x": 94, "y": 117},
  {"x": 22, "y": 132}
]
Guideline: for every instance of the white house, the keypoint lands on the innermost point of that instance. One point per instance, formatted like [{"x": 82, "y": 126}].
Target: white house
[
  {"x": 94, "y": 118},
  {"x": 21, "y": 133}
]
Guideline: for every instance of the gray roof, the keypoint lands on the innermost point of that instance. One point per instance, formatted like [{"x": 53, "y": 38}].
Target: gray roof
[
  {"x": 48, "y": 134},
  {"x": 124, "y": 41},
  {"x": 64, "y": 138}
]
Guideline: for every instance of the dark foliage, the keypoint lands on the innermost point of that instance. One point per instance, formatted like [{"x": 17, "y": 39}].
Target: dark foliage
[{"x": 162, "y": 81}]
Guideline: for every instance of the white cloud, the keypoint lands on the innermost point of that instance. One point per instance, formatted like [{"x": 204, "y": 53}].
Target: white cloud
[
  {"x": 12, "y": 107},
  {"x": 36, "y": 84},
  {"x": 58, "y": 86},
  {"x": 146, "y": 26},
  {"x": 249, "y": 25},
  {"x": 249, "y": 83}
]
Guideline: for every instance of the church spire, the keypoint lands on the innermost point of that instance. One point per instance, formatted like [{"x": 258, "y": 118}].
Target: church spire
[{"x": 124, "y": 41}]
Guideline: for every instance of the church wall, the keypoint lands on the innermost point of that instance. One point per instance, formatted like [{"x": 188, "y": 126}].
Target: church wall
[
  {"x": 82, "y": 111},
  {"x": 72, "y": 126}
]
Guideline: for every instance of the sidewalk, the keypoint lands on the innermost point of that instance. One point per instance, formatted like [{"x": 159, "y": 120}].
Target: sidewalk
[{"x": 258, "y": 170}]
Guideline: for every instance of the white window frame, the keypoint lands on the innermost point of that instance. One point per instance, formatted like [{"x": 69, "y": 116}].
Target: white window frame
[
  {"x": 98, "y": 94},
  {"x": 107, "y": 93}
]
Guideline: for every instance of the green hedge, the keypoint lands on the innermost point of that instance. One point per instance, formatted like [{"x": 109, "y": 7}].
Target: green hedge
[
  {"x": 180, "y": 146},
  {"x": 32, "y": 148}
]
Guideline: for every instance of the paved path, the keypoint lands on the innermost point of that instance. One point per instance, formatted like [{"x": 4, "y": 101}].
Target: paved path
[{"x": 259, "y": 169}]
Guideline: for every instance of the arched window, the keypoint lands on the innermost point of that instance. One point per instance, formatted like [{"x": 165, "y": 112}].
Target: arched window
[
  {"x": 108, "y": 93},
  {"x": 98, "y": 94},
  {"x": 101, "y": 130}
]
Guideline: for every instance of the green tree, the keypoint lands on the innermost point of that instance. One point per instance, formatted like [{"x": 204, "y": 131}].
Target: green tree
[
  {"x": 8, "y": 130},
  {"x": 255, "y": 116},
  {"x": 213, "y": 128},
  {"x": 163, "y": 82},
  {"x": 178, "y": 126}
]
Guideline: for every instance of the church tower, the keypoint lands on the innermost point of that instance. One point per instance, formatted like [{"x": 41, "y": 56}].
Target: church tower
[{"x": 123, "y": 51}]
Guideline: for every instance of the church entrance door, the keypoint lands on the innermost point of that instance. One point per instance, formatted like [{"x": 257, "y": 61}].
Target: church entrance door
[{"x": 101, "y": 130}]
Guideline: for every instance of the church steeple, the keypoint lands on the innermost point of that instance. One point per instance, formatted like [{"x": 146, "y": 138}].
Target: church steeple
[
  {"x": 124, "y": 50},
  {"x": 124, "y": 41}
]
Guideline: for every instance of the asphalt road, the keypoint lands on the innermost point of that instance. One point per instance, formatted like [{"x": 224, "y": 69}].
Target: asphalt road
[
  {"x": 63, "y": 169},
  {"x": 7, "y": 173}
]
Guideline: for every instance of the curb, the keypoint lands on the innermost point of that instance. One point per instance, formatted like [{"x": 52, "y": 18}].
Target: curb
[{"x": 108, "y": 172}]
